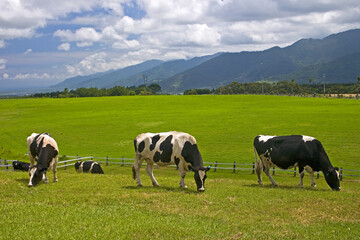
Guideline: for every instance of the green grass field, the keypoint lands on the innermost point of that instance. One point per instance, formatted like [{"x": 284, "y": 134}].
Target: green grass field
[
  {"x": 224, "y": 126},
  {"x": 110, "y": 206},
  {"x": 233, "y": 206}
]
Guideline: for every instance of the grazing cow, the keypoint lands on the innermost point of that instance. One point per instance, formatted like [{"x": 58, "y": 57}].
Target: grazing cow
[
  {"x": 43, "y": 149},
  {"x": 21, "y": 166},
  {"x": 88, "y": 167},
  {"x": 290, "y": 151},
  {"x": 169, "y": 148}
]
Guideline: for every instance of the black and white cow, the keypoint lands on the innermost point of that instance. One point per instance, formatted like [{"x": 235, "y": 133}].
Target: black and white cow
[
  {"x": 21, "y": 166},
  {"x": 43, "y": 149},
  {"x": 169, "y": 148},
  {"x": 290, "y": 151},
  {"x": 88, "y": 167}
]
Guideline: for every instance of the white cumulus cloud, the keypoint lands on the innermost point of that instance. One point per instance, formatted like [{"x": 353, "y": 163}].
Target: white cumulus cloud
[{"x": 64, "y": 46}]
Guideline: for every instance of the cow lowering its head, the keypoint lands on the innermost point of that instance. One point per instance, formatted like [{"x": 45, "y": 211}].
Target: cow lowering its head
[
  {"x": 290, "y": 151},
  {"x": 43, "y": 149},
  {"x": 88, "y": 167},
  {"x": 169, "y": 148}
]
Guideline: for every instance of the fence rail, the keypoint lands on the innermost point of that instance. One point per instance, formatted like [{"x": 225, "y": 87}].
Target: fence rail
[{"x": 7, "y": 165}]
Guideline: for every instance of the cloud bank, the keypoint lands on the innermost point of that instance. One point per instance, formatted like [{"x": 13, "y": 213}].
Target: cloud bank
[{"x": 101, "y": 35}]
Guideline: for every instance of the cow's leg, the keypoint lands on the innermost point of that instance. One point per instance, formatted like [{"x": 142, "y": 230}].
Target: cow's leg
[
  {"x": 311, "y": 172},
  {"x": 149, "y": 169},
  {"x": 266, "y": 163},
  {"x": 258, "y": 168},
  {"x": 302, "y": 173},
  {"x": 267, "y": 172},
  {"x": 182, "y": 175},
  {"x": 136, "y": 169},
  {"x": 46, "y": 180},
  {"x": 54, "y": 169}
]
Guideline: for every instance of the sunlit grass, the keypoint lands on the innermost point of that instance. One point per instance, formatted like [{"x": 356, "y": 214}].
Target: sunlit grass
[{"x": 110, "y": 206}]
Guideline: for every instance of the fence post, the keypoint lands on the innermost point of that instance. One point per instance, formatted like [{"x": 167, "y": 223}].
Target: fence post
[
  {"x": 294, "y": 171},
  {"x": 123, "y": 161},
  {"x": 107, "y": 160},
  {"x": 215, "y": 166},
  {"x": 273, "y": 171},
  {"x": 253, "y": 168},
  {"x": 234, "y": 167},
  {"x": 318, "y": 175},
  {"x": 5, "y": 163},
  {"x": 92, "y": 158},
  {"x": 341, "y": 172},
  {"x": 65, "y": 165}
]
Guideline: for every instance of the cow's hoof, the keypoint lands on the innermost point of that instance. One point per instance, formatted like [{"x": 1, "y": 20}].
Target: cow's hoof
[
  {"x": 156, "y": 185},
  {"x": 260, "y": 183},
  {"x": 139, "y": 185},
  {"x": 314, "y": 185}
]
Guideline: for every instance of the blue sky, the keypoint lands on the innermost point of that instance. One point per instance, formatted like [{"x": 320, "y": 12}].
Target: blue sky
[{"x": 43, "y": 42}]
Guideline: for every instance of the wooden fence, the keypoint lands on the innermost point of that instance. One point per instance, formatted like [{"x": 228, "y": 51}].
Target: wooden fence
[{"x": 215, "y": 166}]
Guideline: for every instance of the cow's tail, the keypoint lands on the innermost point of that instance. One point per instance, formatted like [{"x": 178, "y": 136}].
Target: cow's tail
[
  {"x": 134, "y": 172},
  {"x": 255, "y": 152}
]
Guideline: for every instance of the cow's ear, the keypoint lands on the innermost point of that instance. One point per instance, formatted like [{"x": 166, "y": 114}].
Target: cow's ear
[{"x": 208, "y": 168}]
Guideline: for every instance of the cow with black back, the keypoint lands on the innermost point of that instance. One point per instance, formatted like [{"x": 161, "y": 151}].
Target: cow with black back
[
  {"x": 285, "y": 152},
  {"x": 88, "y": 167},
  {"x": 169, "y": 148},
  {"x": 21, "y": 166},
  {"x": 43, "y": 149}
]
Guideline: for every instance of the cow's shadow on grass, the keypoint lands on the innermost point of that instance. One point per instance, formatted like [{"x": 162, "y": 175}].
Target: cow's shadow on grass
[
  {"x": 285, "y": 187},
  {"x": 163, "y": 188},
  {"x": 23, "y": 180}
]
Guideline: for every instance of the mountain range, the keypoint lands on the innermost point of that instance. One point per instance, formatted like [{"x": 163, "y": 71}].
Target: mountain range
[{"x": 333, "y": 59}]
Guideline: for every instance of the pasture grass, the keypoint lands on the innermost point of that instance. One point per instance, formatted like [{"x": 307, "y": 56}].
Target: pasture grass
[
  {"x": 224, "y": 126},
  {"x": 233, "y": 206},
  {"x": 110, "y": 206}
]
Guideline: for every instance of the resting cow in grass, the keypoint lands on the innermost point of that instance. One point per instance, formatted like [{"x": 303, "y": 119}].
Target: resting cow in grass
[
  {"x": 21, "y": 166},
  {"x": 88, "y": 167},
  {"x": 169, "y": 148},
  {"x": 290, "y": 151},
  {"x": 43, "y": 149}
]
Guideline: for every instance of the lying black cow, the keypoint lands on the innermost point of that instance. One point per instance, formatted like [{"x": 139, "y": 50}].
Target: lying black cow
[
  {"x": 43, "y": 149},
  {"x": 21, "y": 166},
  {"x": 290, "y": 151},
  {"x": 169, "y": 148},
  {"x": 88, "y": 167}
]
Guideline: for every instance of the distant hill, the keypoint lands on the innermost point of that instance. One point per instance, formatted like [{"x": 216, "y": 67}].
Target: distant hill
[
  {"x": 329, "y": 56},
  {"x": 104, "y": 80},
  {"x": 334, "y": 59},
  {"x": 154, "y": 70},
  {"x": 163, "y": 71}
]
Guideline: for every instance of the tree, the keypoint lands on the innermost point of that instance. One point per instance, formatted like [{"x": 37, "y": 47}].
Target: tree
[{"x": 155, "y": 88}]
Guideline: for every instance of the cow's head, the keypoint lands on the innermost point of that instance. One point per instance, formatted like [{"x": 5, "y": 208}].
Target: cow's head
[
  {"x": 77, "y": 165},
  {"x": 332, "y": 178},
  {"x": 200, "y": 177},
  {"x": 35, "y": 176}
]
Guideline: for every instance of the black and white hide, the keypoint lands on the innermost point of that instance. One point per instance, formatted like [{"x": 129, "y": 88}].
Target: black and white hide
[
  {"x": 21, "y": 166},
  {"x": 88, "y": 167},
  {"x": 43, "y": 150},
  {"x": 285, "y": 152},
  {"x": 169, "y": 148}
]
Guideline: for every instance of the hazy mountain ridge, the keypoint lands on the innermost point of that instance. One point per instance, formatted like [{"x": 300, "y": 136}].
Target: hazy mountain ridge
[{"x": 334, "y": 58}]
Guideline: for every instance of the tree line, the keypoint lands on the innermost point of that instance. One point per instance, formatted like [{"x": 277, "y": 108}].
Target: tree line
[
  {"x": 95, "y": 92},
  {"x": 280, "y": 88}
]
